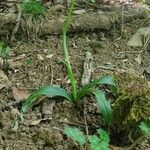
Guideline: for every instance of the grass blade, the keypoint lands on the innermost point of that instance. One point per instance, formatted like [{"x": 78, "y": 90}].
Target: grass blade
[
  {"x": 50, "y": 91},
  {"x": 89, "y": 87},
  {"x": 104, "y": 105}
]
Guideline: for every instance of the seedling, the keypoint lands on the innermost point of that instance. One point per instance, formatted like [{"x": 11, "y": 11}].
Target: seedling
[
  {"x": 76, "y": 93},
  {"x": 4, "y": 52},
  {"x": 98, "y": 141}
]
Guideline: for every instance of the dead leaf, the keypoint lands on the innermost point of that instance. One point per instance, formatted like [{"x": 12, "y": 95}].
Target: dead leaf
[{"x": 19, "y": 94}]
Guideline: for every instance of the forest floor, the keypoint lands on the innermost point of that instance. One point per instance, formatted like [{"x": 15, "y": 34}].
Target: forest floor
[{"x": 35, "y": 61}]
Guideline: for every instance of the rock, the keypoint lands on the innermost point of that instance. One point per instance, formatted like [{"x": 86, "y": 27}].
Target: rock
[{"x": 47, "y": 108}]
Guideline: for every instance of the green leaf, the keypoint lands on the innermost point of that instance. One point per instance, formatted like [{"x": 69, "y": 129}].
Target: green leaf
[
  {"x": 108, "y": 80},
  {"x": 95, "y": 142},
  {"x": 50, "y": 91},
  {"x": 104, "y": 105},
  {"x": 76, "y": 135},
  {"x": 103, "y": 135},
  {"x": 145, "y": 127},
  {"x": 101, "y": 142}
]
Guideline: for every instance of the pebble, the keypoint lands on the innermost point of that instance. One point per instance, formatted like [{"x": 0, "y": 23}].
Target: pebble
[
  {"x": 49, "y": 56},
  {"x": 40, "y": 57}
]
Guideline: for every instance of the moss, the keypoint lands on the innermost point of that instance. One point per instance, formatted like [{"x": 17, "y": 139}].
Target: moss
[{"x": 131, "y": 106}]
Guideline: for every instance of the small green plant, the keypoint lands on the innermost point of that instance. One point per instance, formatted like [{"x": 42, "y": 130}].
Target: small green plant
[
  {"x": 99, "y": 141},
  {"x": 145, "y": 127},
  {"x": 76, "y": 93},
  {"x": 33, "y": 7},
  {"x": 4, "y": 53},
  {"x": 4, "y": 50}
]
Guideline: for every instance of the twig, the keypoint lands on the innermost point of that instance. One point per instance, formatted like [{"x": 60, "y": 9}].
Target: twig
[{"x": 86, "y": 76}]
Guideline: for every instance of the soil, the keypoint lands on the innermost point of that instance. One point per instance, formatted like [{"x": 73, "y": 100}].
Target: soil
[{"x": 37, "y": 62}]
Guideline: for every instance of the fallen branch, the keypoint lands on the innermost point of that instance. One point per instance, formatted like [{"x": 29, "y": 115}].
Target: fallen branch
[{"x": 88, "y": 21}]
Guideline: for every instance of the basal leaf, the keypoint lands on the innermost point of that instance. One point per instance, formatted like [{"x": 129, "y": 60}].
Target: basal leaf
[
  {"x": 103, "y": 104},
  {"x": 108, "y": 80},
  {"x": 76, "y": 135},
  {"x": 50, "y": 91}
]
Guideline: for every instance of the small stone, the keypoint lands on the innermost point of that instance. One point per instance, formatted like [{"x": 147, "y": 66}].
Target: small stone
[
  {"x": 40, "y": 57},
  {"x": 47, "y": 108},
  {"x": 45, "y": 51},
  {"x": 49, "y": 56},
  {"x": 122, "y": 56}
]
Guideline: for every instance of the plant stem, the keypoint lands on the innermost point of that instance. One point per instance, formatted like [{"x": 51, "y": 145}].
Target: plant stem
[{"x": 67, "y": 60}]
